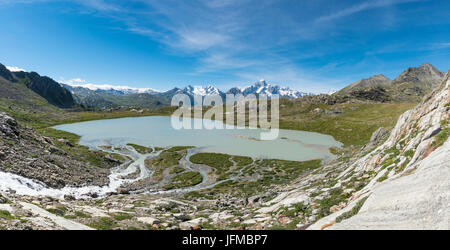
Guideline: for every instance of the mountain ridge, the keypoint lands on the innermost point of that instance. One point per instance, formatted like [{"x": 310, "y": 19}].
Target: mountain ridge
[
  {"x": 373, "y": 81},
  {"x": 409, "y": 86},
  {"x": 261, "y": 87},
  {"x": 41, "y": 85}
]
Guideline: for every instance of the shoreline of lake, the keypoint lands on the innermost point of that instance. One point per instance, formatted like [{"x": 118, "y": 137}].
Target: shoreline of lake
[{"x": 157, "y": 131}]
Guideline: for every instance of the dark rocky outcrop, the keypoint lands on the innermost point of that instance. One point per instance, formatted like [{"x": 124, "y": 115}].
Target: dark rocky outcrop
[
  {"x": 5, "y": 73},
  {"x": 47, "y": 88},
  {"x": 377, "y": 93}
]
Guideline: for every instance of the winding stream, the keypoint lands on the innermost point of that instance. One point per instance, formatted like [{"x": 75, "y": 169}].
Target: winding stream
[{"x": 157, "y": 131}]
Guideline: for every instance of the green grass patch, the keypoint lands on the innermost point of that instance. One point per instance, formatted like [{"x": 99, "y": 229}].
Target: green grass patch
[
  {"x": 335, "y": 197},
  {"x": 6, "y": 215},
  {"x": 384, "y": 177},
  {"x": 176, "y": 170},
  {"x": 103, "y": 223},
  {"x": 141, "y": 149},
  {"x": 120, "y": 216},
  {"x": 409, "y": 153},
  {"x": 220, "y": 162},
  {"x": 183, "y": 180},
  {"x": 295, "y": 210},
  {"x": 393, "y": 150},
  {"x": 178, "y": 148},
  {"x": 58, "y": 210},
  {"x": 352, "y": 127},
  {"x": 352, "y": 212},
  {"x": 164, "y": 160},
  {"x": 441, "y": 138},
  {"x": 242, "y": 160}
]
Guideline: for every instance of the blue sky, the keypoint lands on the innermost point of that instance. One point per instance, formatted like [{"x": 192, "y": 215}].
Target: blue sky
[{"x": 313, "y": 46}]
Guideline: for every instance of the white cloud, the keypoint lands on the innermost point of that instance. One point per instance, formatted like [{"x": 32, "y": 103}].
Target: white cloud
[
  {"x": 242, "y": 38},
  {"x": 201, "y": 40},
  {"x": 15, "y": 69},
  {"x": 72, "y": 82}
]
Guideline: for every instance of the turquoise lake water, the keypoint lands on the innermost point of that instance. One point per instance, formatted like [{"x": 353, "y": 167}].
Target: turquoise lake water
[{"x": 156, "y": 131}]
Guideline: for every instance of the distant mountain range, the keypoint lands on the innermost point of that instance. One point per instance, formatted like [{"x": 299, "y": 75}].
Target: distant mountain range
[
  {"x": 111, "y": 89},
  {"x": 112, "y": 97},
  {"x": 261, "y": 87},
  {"x": 264, "y": 88},
  {"x": 410, "y": 86},
  {"x": 108, "y": 96}
]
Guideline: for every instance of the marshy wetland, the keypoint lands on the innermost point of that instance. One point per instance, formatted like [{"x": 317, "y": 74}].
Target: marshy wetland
[{"x": 164, "y": 160}]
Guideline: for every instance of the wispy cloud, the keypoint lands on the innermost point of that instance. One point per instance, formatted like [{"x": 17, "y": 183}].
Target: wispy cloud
[
  {"x": 100, "y": 5},
  {"x": 249, "y": 39},
  {"x": 5, "y": 2},
  {"x": 440, "y": 45},
  {"x": 14, "y": 69},
  {"x": 366, "y": 5}
]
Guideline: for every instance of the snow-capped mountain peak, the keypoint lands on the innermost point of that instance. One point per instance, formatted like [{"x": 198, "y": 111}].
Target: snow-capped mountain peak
[
  {"x": 264, "y": 88},
  {"x": 261, "y": 87}
]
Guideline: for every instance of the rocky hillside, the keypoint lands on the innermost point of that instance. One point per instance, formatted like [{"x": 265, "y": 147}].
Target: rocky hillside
[
  {"x": 407, "y": 176},
  {"x": 374, "y": 81},
  {"x": 101, "y": 99},
  {"x": 410, "y": 188},
  {"x": 414, "y": 83},
  {"x": 410, "y": 86},
  {"x": 57, "y": 162},
  {"x": 397, "y": 181},
  {"x": 5, "y": 73},
  {"x": 47, "y": 88},
  {"x": 41, "y": 85}
]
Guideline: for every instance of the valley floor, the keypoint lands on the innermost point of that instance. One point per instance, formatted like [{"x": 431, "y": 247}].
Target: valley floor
[{"x": 180, "y": 188}]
